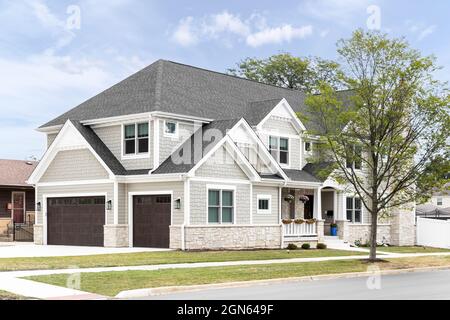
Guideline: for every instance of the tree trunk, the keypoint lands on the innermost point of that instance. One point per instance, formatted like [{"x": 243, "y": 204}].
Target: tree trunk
[{"x": 373, "y": 236}]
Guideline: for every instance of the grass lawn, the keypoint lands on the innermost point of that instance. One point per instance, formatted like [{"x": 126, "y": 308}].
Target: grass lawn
[
  {"x": 153, "y": 258},
  {"x": 411, "y": 250},
  {"x": 111, "y": 283},
  {"x": 9, "y": 296}
]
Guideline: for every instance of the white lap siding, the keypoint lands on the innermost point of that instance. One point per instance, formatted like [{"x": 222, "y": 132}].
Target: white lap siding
[
  {"x": 273, "y": 217},
  {"x": 62, "y": 191},
  {"x": 176, "y": 187},
  {"x": 74, "y": 165}
]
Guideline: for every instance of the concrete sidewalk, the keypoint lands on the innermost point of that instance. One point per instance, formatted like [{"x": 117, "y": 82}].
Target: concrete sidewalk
[{"x": 52, "y": 292}]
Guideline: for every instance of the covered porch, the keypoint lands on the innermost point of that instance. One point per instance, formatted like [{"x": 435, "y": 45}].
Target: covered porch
[{"x": 307, "y": 213}]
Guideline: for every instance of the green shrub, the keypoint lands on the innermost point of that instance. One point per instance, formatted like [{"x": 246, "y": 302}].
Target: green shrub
[
  {"x": 292, "y": 246},
  {"x": 306, "y": 246},
  {"x": 321, "y": 246}
]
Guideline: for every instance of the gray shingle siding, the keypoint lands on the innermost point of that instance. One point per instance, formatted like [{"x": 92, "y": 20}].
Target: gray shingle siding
[
  {"x": 74, "y": 165},
  {"x": 168, "y": 145},
  {"x": 221, "y": 165},
  {"x": 280, "y": 126},
  {"x": 112, "y": 138},
  {"x": 199, "y": 213},
  {"x": 273, "y": 217}
]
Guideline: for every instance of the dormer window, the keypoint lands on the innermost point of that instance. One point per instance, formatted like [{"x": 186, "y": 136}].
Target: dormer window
[
  {"x": 354, "y": 157},
  {"x": 136, "y": 139},
  {"x": 279, "y": 149},
  {"x": 170, "y": 129}
]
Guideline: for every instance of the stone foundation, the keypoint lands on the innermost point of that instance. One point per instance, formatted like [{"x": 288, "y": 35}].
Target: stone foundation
[
  {"x": 116, "y": 236},
  {"x": 403, "y": 228},
  {"x": 361, "y": 232},
  {"x": 176, "y": 237},
  {"x": 38, "y": 234},
  {"x": 232, "y": 237},
  {"x": 321, "y": 231},
  {"x": 342, "y": 230},
  {"x": 313, "y": 242}
]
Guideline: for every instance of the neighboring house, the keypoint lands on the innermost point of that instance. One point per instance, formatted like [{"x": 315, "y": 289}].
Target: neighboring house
[
  {"x": 17, "y": 198},
  {"x": 181, "y": 157},
  {"x": 438, "y": 206}
]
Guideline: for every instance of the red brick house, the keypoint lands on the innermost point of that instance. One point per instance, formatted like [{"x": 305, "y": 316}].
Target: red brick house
[{"x": 17, "y": 198}]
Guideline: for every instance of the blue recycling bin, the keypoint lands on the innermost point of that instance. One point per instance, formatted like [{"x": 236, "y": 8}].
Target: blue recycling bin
[{"x": 334, "y": 231}]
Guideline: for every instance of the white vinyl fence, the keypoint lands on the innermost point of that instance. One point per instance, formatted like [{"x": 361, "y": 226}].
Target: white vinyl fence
[{"x": 433, "y": 233}]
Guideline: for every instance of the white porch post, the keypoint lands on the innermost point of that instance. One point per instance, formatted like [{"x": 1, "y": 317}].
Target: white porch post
[
  {"x": 318, "y": 204},
  {"x": 335, "y": 205}
]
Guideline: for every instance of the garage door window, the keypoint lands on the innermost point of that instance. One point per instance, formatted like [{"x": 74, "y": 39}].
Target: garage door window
[{"x": 220, "y": 206}]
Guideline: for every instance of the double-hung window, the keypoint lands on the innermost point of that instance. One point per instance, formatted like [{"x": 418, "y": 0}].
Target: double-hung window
[
  {"x": 308, "y": 146},
  {"x": 440, "y": 201},
  {"x": 279, "y": 148},
  {"x": 136, "y": 139},
  {"x": 170, "y": 129},
  {"x": 354, "y": 209},
  {"x": 220, "y": 206},
  {"x": 354, "y": 157}
]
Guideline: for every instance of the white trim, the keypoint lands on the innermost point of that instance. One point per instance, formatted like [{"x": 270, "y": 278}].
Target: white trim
[
  {"x": 150, "y": 178},
  {"x": 251, "y": 203},
  {"x": 175, "y": 135},
  {"x": 131, "y": 207},
  {"x": 116, "y": 203},
  {"x": 155, "y": 144},
  {"x": 187, "y": 202},
  {"x": 219, "y": 180},
  {"x": 232, "y": 226},
  {"x": 277, "y": 133},
  {"x": 264, "y": 197},
  {"x": 279, "y": 137},
  {"x": 298, "y": 124},
  {"x": 24, "y": 204},
  {"x": 53, "y": 150},
  {"x": 73, "y": 183},
  {"x": 67, "y": 195},
  {"x": 220, "y": 188}
]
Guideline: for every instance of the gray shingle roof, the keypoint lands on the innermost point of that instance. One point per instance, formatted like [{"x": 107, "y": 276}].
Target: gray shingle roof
[
  {"x": 317, "y": 169},
  {"x": 301, "y": 175},
  {"x": 176, "y": 88},
  {"x": 169, "y": 166}
]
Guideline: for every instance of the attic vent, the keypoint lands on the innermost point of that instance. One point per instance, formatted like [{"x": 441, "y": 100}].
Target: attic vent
[{"x": 29, "y": 163}]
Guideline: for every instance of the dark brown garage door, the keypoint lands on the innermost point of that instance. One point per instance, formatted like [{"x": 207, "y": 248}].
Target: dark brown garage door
[
  {"x": 76, "y": 221},
  {"x": 151, "y": 221}
]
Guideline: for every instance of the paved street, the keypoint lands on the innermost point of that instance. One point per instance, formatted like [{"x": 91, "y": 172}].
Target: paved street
[{"x": 417, "y": 285}]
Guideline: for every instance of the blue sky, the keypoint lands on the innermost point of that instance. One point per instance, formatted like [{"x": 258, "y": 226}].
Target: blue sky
[{"x": 56, "y": 54}]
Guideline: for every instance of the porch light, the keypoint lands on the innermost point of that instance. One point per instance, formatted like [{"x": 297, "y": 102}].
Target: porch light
[
  {"x": 109, "y": 205},
  {"x": 38, "y": 207},
  {"x": 178, "y": 203}
]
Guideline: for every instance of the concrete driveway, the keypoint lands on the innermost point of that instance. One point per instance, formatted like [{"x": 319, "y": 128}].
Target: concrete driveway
[{"x": 25, "y": 250}]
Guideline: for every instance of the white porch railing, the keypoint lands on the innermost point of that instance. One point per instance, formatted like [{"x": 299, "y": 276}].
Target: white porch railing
[{"x": 300, "y": 230}]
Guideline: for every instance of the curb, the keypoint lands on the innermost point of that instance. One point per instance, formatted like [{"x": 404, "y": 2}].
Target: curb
[{"x": 142, "y": 293}]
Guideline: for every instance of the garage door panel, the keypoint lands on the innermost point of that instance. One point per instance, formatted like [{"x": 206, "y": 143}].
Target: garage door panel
[
  {"x": 151, "y": 221},
  {"x": 76, "y": 221}
]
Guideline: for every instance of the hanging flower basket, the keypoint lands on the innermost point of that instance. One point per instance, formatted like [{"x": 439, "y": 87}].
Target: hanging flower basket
[
  {"x": 299, "y": 221},
  {"x": 286, "y": 221},
  {"x": 289, "y": 198},
  {"x": 311, "y": 221},
  {"x": 304, "y": 198}
]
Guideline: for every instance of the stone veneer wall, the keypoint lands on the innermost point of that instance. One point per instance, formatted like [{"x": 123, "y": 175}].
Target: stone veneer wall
[
  {"x": 116, "y": 236},
  {"x": 38, "y": 234},
  {"x": 176, "y": 237},
  {"x": 233, "y": 237},
  {"x": 362, "y": 232},
  {"x": 403, "y": 228}
]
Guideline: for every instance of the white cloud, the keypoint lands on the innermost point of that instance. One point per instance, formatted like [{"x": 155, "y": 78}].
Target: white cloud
[
  {"x": 254, "y": 31},
  {"x": 184, "y": 34},
  {"x": 426, "y": 32},
  {"x": 338, "y": 10},
  {"x": 286, "y": 33}
]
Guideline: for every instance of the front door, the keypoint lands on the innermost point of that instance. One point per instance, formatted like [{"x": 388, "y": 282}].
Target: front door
[
  {"x": 309, "y": 208},
  {"x": 18, "y": 207}
]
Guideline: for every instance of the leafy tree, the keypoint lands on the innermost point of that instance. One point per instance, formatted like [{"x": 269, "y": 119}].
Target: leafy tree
[
  {"x": 287, "y": 71},
  {"x": 395, "y": 128}
]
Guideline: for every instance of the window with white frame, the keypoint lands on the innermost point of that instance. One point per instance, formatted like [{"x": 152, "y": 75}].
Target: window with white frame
[
  {"x": 279, "y": 148},
  {"x": 440, "y": 201},
  {"x": 171, "y": 128},
  {"x": 136, "y": 139},
  {"x": 220, "y": 206},
  {"x": 354, "y": 210},
  {"x": 308, "y": 146},
  {"x": 354, "y": 157},
  {"x": 264, "y": 204}
]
